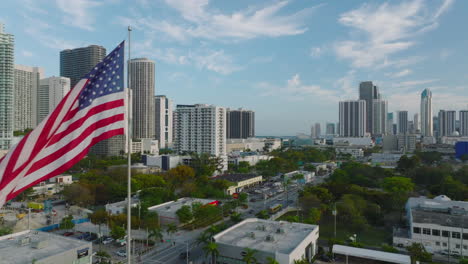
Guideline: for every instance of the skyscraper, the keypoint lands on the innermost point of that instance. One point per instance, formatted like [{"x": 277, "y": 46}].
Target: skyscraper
[
  {"x": 416, "y": 123},
  {"x": 330, "y": 129},
  {"x": 352, "y": 118},
  {"x": 446, "y": 123},
  {"x": 163, "y": 120},
  {"x": 142, "y": 83},
  {"x": 75, "y": 63},
  {"x": 201, "y": 128},
  {"x": 402, "y": 122},
  {"x": 317, "y": 130},
  {"x": 25, "y": 96},
  {"x": 369, "y": 92},
  {"x": 426, "y": 113},
  {"x": 380, "y": 111},
  {"x": 390, "y": 122},
  {"x": 7, "y": 46},
  {"x": 50, "y": 92},
  {"x": 240, "y": 123},
  {"x": 463, "y": 122}
]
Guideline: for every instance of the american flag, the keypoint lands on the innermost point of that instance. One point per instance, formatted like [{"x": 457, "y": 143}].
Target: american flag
[{"x": 94, "y": 110}]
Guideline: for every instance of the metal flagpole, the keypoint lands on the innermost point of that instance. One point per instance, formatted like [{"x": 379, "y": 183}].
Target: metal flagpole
[{"x": 129, "y": 155}]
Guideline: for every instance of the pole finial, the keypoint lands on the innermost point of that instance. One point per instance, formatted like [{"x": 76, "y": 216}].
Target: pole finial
[{"x": 129, "y": 28}]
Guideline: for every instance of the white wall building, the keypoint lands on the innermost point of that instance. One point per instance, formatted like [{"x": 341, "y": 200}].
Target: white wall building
[
  {"x": 201, "y": 128},
  {"x": 39, "y": 247},
  {"x": 354, "y": 152},
  {"x": 240, "y": 180},
  {"x": 253, "y": 144},
  {"x": 354, "y": 141},
  {"x": 7, "y": 77},
  {"x": 252, "y": 159},
  {"x": 283, "y": 241},
  {"x": 120, "y": 207},
  {"x": 25, "y": 96},
  {"x": 163, "y": 120},
  {"x": 440, "y": 224},
  {"x": 50, "y": 92},
  {"x": 166, "y": 162},
  {"x": 352, "y": 114},
  {"x": 145, "y": 146}
]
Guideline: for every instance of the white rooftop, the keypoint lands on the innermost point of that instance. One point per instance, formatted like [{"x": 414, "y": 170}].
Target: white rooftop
[
  {"x": 253, "y": 232},
  {"x": 12, "y": 253},
  {"x": 372, "y": 254},
  {"x": 439, "y": 202},
  {"x": 173, "y": 206}
]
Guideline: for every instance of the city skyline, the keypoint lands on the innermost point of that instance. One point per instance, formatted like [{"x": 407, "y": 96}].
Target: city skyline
[{"x": 198, "y": 62}]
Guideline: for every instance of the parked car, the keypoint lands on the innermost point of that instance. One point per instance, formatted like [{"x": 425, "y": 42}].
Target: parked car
[
  {"x": 91, "y": 237},
  {"x": 121, "y": 253},
  {"x": 183, "y": 255},
  {"x": 68, "y": 234},
  {"x": 107, "y": 240}
]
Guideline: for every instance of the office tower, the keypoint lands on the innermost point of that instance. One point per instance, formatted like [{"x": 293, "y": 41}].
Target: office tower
[
  {"x": 402, "y": 123},
  {"x": 394, "y": 129},
  {"x": 406, "y": 143},
  {"x": 352, "y": 118},
  {"x": 317, "y": 130},
  {"x": 201, "y": 128},
  {"x": 463, "y": 122},
  {"x": 446, "y": 123},
  {"x": 174, "y": 126},
  {"x": 426, "y": 114},
  {"x": 416, "y": 123},
  {"x": 50, "y": 92},
  {"x": 369, "y": 92},
  {"x": 240, "y": 123},
  {"x": 163, "y": 120},
  {"x": 390, "y": 122},
  {"x": 25, "y": 96},
  {"x": 76, "y": 63},
  {"x": 142, "y": 73},
  {"x": 330, "y": 129},
  {"x": 380, "y": 112},
  {"x": 7, "y": 46}
]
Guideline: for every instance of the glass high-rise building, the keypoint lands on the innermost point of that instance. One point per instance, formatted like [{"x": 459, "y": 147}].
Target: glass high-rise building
[
  {"x": 76, "y": 63},
  {"x": 49, "y": 94},
  {"x": 369, "y": 92},
  {"x": 142, "y": 84},
  {"x": 446, "y": 123},
  {"x": 463, "y": 122},
  {"x": 7, "y": 77},
  {"x": 240, "y": 123},
  {"x": 352, "y": 118},
  {"x": 426, "y": 114},
  {"x": 163, "y": 121},
  {"x": 26, "y": 91},
  {"x": 402, "y": 124},
  {"x": 380, "y": 111}
]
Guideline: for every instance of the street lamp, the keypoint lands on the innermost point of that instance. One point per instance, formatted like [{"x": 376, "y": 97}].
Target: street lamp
[{"x": 334, "y": 213}]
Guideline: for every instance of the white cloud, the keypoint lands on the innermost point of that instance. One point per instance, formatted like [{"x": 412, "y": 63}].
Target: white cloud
[
  {"x": 384, "y": 30},
  {"x": 78, "y": 13},
  {"x": 445, "y": 53},
  {"x": 297, "y": 91},
  {"x": 399, "y": 74},
  {"x": 26, "y": 53},
  {"x": 415, "y": 83},
  {"x": 199, "y": 21},
  {"x": 316, "y": 52},
  {"x": 441, "y": 100},
  {"x": 42, "y": 32}
]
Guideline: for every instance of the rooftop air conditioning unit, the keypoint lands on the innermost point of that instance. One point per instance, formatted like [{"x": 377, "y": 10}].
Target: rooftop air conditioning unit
[
  {"x": 252, "y": 235},
  {"x": 270, "y": 238}
]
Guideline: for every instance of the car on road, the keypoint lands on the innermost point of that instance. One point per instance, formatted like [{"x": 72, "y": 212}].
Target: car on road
[
  {"x": 183, "y": 255},
  {"x": 68, "y": 234},
  {"x": 280, "y": 199},
  {"x": 107, "y": 240},
  {"x": 121, "y": 253}
]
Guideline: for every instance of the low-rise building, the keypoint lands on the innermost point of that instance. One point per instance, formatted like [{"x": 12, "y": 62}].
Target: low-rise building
[
  {"x": 252, "y": 144},
  {"x": 356, "y": 153},
  {"x": 39, "y": 247},
  {"x": 406, "y": 143},
  {"x": 386, "y": 160},
  {"x": 167, "y": 211},
  {"x": 166, "y": 162},
  {"x": 354, "y": 255},
  {"x": 353, "y": 141},
  {"x": 308, "y": 176},
  {"x": 453, "y": 140},
  {"x": 120, "y": 207},
  {"x": 146, "y": 146},
  {"x": 52, "y": 185},
  {"x": 251, "y": 157},
  {"x": 240, "y": 180},
  {"x": 283, "y": 241},
  {"x": 439, "y": 224}
]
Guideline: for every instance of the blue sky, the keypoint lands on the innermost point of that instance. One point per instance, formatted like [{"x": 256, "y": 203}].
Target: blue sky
[{"x": 290, "y": 61}]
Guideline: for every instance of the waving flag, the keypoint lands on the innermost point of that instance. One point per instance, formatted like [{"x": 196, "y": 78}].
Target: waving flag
[{"x": 94, "y": 110}]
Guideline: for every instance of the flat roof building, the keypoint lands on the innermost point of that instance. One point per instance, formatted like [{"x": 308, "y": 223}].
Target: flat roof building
[
  {"x": 167, "y": 211},
  {"x": 38, "y": 247},
  {"x": 283, "y": 241},
  {"x": 362, "y": 255},
  {"x": 240, "y": 180}
]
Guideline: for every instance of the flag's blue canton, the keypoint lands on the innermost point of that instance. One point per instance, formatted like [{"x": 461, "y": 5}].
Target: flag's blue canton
[{"x": 105, "y": 78}]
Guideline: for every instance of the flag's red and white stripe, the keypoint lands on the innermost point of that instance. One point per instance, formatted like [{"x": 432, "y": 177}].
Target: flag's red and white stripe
[{"x": 62, "y": 139}]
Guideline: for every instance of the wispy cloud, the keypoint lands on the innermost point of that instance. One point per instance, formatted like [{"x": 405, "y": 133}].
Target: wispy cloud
[
  {"x": 445, "y": 53},
  {"x": 42, "y": 32},
  {"x": 26, "y": 53},
  {"x": 78, "y": 13},
  {"x": 316, "y": 52},
  {"x": 399, "y": 74},
  {"x": 295, "y": 90},
  {"x": 386, "y": 29},
  {"x": 200, "y": 21}
]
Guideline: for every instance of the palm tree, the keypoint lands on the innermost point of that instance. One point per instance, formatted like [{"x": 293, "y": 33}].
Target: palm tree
[
  {"x": 249, "y": 256},
  {"x": 271, "y": 260},
  {"x": 204, "y": 238},
  {"x": 301, "y": 261},
  {"x": 156, "y": 233},
  {"x": 171, "y": 229},
  {"x": 211, "y": 248}
]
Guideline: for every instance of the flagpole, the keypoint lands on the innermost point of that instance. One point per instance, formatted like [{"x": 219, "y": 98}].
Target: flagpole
[{"x": 129, "y": 155}]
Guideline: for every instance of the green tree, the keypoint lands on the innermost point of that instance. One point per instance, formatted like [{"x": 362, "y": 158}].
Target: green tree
[
  {"x": 78, "y": 193},
  {"x": 243, "y": 197},
  {"x": 310, "y": 167},
  {"x": 263, "y": 214},
  {"x": 67, "y": 222},
  {"x": 249, "y": 256},
  {"x": 271, "y": 260},
  {"x": 419, "y": 253},
  {"x": 99, "y": 217},
  {"x": 301, "y": 261},
  {"x": 400, "y": 185},
  {"x": 156, "y": 234},
  {"x": 314, "y": 216},
  {"x": 405, "y": 163},
  {"x": 25, "y": 194},
  {"x": 463, "y": 261},
  {"x": 185, "y": 214},
  {"x": 211, "y": 249},
  {"x": 171, "y": 229},
  {"x": 117, "y": 232},
  {"x": 5, "y": 231}
]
